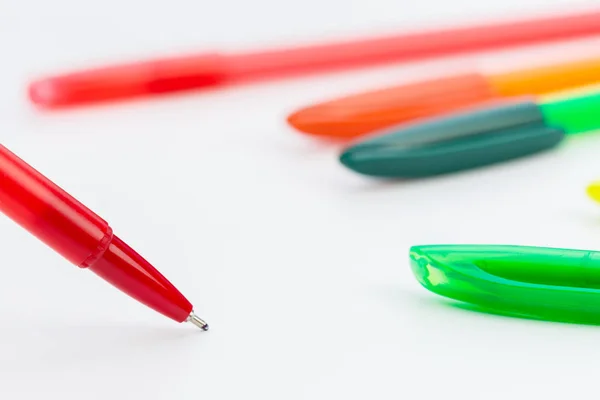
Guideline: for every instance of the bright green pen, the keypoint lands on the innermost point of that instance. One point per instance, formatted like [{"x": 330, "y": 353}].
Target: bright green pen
[
  {"x": 534, "y": 282},
  {"x": 488, "y": 134}
]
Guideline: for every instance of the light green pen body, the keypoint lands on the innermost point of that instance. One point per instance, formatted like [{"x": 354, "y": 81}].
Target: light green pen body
[{"x": 533, "y": 282}]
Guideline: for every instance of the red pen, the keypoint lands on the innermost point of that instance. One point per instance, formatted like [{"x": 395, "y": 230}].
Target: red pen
[
  {"x": 83, "y": 238},
  {"x": 160, "y": 76}
]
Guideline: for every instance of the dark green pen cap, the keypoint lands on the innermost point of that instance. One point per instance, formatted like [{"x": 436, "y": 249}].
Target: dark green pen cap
[{"x": 473, "y": 138}]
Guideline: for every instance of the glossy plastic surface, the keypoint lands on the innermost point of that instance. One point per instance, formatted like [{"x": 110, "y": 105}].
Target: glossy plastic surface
[
  {"x": 574, "y": 114},
  {"x": 204, "y": 70},
  {"x": 547, "y": 79},
  {"x": 355, "y": 115},
  {"x": 488, "y": 135},
  {"x": 125, "y": 269},
  {"x": 49, "y": 213},
  {"x": 75, "y": 232},
  {"x": 533, "y": 282}
]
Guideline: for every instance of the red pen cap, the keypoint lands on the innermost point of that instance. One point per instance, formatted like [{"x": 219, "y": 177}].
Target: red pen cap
[
  {"x": 357, "y": 114},
  {"x": 130, "y": 80},
  {"x": 82, "y": 237}
]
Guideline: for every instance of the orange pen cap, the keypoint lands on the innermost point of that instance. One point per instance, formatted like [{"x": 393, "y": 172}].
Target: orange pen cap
[
  {"x": 357, "y": 114},
  {"x": 361, "y": 113}
]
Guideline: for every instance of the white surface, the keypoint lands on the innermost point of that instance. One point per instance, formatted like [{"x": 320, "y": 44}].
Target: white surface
[{"x": 299, "y": 266}]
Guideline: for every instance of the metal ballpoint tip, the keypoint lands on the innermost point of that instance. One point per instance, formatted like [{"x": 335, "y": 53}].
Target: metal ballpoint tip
[{"x": 199, "y": 322}]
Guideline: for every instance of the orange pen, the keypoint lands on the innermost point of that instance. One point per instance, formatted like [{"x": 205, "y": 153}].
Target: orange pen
[{"x": 354, "y": 115}]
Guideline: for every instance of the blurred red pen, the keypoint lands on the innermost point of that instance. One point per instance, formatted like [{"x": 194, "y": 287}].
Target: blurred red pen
[{"x": 161, "y": 76}]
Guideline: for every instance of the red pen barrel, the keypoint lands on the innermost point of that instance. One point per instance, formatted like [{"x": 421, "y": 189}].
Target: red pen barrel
[
  {"x": 49, "y": 213},
  {"x": 417, "y": 45},
  {"x": 82, "y": 237}
]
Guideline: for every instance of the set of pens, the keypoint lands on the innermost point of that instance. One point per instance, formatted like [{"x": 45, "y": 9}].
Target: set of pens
[
  {"x": 160, "y": 76},
  {"x": 488, "y": 134},
  {"x": 415, "y": 130}
]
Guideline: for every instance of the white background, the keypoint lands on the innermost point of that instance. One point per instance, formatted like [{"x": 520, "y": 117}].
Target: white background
[{"x": 299, "y": 265}]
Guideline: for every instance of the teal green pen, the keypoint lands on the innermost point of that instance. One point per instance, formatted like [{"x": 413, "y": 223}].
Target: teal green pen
[
  {"x": 541, "y": 283},
  {"x": 487, "y": 134}
]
